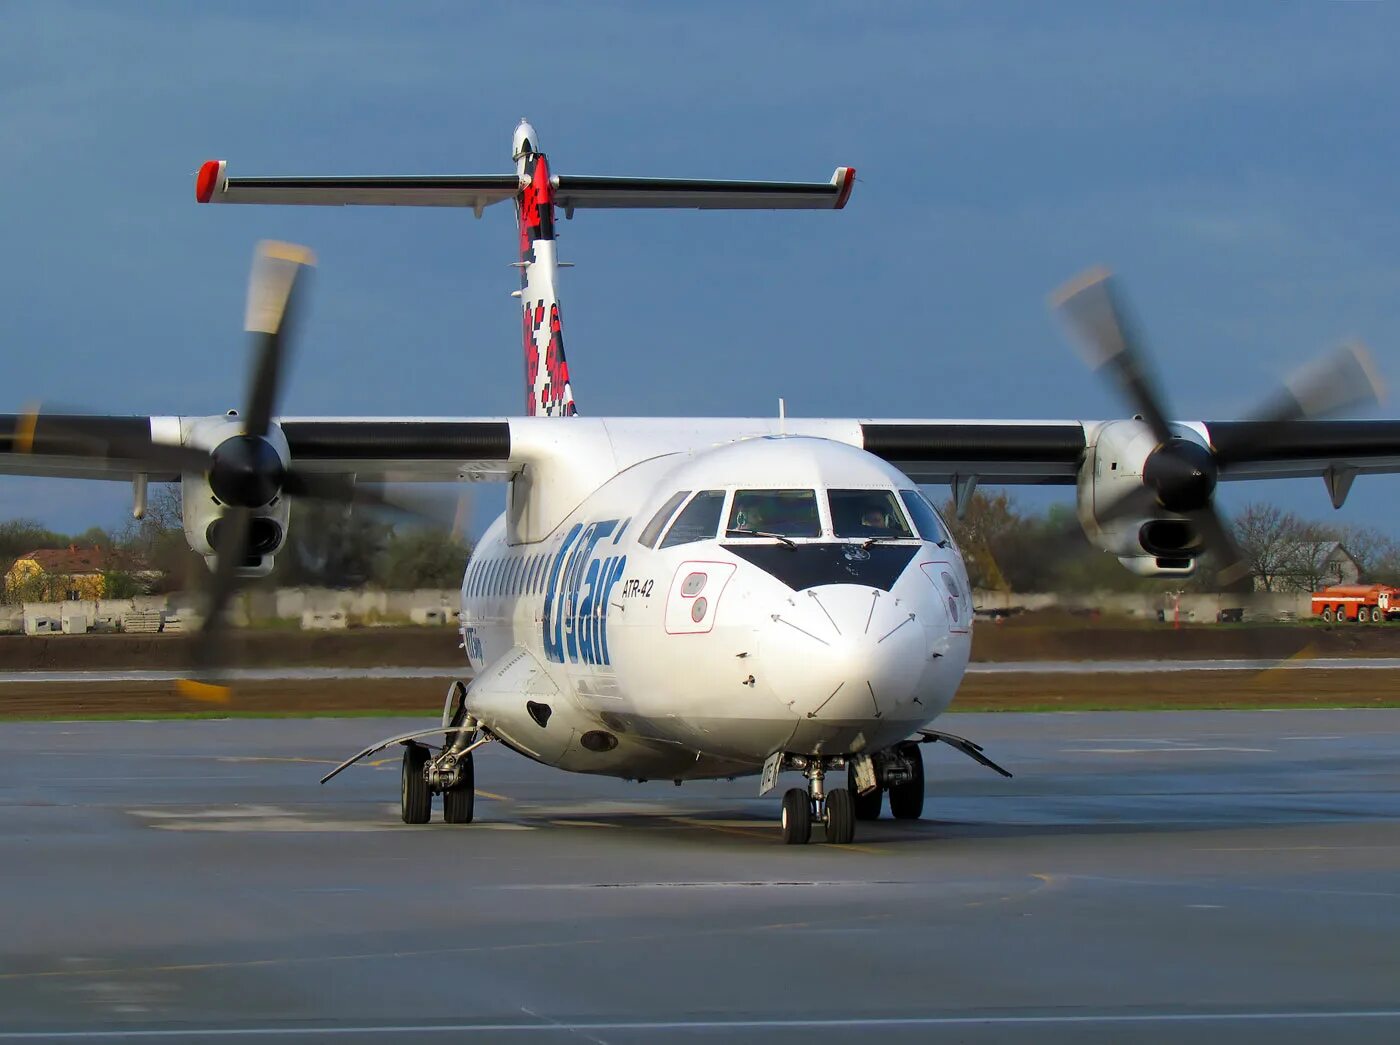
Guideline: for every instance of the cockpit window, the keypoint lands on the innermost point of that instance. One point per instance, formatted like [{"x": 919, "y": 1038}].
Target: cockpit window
[
  {"x": 698, "y": 521},
  {"x": 782, "y": 513},
  {"x": 926, "y": 517},
  {"x": 867, "y": 513},
  {"x": 653, "y": 528}
]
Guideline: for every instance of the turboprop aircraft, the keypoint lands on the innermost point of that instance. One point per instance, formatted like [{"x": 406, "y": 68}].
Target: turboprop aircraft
[{"x": 690, "y": 598}]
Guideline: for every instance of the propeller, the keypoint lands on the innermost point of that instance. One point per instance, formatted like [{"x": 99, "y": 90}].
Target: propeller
[
  {"x": 1180, "y": 474},
  {"x": 245, "y": 471}
]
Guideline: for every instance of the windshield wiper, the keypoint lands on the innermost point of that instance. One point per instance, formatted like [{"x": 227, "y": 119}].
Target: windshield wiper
[
  {"x": 883, "y": 537},
  {"x": 746, "y": 532}
]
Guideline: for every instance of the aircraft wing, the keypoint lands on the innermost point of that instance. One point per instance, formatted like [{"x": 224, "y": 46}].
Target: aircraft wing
[
  {"x": 378, "y": 449},
  {"x": 1049, "y": 452},
  {"x": 930, "y": 451}
]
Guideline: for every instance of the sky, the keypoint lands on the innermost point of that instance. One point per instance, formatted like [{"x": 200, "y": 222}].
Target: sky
[{"x": 1235, "y": 164}]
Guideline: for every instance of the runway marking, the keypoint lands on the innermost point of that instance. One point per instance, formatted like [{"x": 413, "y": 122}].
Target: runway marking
[
  {"x": 1046, "y": 882},
  {"x": 1162, "y": 750},
  {"x": 435, "y": 952},
  {"x": 1289, "y": 848},
  {"x": 275, "y": 758},
  {"x": 492, "y": 795},
  {"x": 274, "y": 819},
  {"x": 754, "y": 833},
  {"x": 758, "y": 1024},
  {"x": 1357, "y": 894},
  {"x": 775, "y": 884}
]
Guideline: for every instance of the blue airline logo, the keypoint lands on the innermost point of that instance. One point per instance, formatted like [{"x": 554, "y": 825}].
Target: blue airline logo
[{"x": 576, "y": 594}]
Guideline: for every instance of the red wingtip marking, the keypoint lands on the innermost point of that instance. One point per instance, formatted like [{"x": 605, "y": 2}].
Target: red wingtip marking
[
  {"x": 847, "y": 184},
  {"x": 206, "y": 181}
]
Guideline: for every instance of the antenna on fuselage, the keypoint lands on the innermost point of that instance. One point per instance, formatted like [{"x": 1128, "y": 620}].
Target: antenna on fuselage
[{"x": 782, "y": 416}]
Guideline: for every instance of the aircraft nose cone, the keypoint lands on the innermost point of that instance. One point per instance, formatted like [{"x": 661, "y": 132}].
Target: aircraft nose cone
[{"x": 846, "y": 653}]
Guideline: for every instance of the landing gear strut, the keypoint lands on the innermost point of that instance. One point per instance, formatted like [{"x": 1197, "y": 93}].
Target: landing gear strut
[{"x": 834, "y": 809}]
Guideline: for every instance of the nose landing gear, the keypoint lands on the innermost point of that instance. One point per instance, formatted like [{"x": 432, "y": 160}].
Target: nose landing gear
[{"x": 834, "y": 809}]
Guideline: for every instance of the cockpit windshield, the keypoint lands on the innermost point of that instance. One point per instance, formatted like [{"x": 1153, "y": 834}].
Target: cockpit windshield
[
  {"x": 926, "y": 518},
  {"x": 865, "y": 514},
  {"x": 774, "y": 513},
  {"x": 697, "y": 521}
]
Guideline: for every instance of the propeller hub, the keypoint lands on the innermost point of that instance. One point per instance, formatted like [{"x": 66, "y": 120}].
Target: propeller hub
[
  {"x": 1182, "y": 474},
  {"x": 246, "y": 471}
]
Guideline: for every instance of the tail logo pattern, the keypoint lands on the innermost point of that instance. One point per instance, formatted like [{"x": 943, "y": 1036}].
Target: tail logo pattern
[{"x": 547, "y": 388}]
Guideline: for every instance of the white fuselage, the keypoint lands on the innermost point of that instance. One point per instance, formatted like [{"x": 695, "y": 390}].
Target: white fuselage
[{"x": 607, "y": 647}]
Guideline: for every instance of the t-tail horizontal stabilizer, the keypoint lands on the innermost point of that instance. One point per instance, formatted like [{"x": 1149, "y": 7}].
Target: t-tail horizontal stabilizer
[{"x": 537, "y": 193}]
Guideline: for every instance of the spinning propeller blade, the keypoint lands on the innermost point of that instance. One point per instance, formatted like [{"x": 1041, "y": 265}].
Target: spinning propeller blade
[{"x": 1180, "y": 475}]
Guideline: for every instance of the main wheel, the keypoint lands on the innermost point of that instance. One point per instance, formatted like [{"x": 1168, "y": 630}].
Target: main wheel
[
  {"x": 840, "y": 817},
  {"x": 867, "y": 806},
  {"x": 459, "y": 803},
  {"x": 416, "y": 801},
  {"x": 907, "y": 799},
  {"x": 797, "y": 817}
]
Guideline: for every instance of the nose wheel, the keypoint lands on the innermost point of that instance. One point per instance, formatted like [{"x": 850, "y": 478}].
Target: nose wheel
[{"x": 834, "y": 809}]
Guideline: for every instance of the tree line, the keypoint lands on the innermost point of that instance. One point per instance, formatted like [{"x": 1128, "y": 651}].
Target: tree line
[
  {"x": 327, "y": 546},
  {"x": 1009, "y": 548},
  {"x": 1006, "y": 547}
]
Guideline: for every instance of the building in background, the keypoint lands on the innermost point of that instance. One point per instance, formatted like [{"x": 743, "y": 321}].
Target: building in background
[
  {"x": 1313, "y": 565},
  {"x": 71, "y": 573}
]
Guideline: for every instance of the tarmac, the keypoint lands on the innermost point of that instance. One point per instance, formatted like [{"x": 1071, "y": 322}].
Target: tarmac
[{"x": 1146, "y": 877}]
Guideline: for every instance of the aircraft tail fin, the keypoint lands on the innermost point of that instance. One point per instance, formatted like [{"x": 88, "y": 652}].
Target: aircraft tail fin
[
  {"x": 537, "y": 194},
  {"x": 547, "y": 388}
]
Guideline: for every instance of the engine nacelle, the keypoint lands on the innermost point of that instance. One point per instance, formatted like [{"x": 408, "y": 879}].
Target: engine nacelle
[
  {"x": 1156, "y": 544},
  {"x": 202, "y": 511}
]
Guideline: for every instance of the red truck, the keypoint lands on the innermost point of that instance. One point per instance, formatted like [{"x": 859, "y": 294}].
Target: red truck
[{"x": 1358, "y": 602}]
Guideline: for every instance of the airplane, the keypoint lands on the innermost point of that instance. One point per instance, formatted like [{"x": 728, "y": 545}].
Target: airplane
[{"x": 696, "y": 598}]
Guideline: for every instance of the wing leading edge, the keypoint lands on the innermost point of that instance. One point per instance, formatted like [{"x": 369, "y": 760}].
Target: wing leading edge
[{"x": 484, "y": 449}]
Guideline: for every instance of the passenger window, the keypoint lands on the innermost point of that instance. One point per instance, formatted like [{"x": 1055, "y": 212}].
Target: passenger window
[
  {"x": 698, "y": 521},
  {"x": 782, "y": 513},
  {"x": 653, "y": 528},
  {"x": 926, "y": 518},
  {"x": 866, "y": 514}
]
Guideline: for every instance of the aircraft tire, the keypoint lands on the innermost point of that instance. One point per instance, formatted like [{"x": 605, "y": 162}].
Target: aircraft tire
[
  {"x": 797, "y": 817},
  {"x": 907, "y": 799},
  {"x": 415, "y": 800},
  {"x": 840, "y": 817},
  {"x": 867, "y": 806},
  {"x": 459, "y": 803}
]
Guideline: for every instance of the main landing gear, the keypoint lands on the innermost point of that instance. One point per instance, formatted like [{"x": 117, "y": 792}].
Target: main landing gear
[
  {"x": 898, "y": 772},
  {"x": 452, "y": 774}
]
